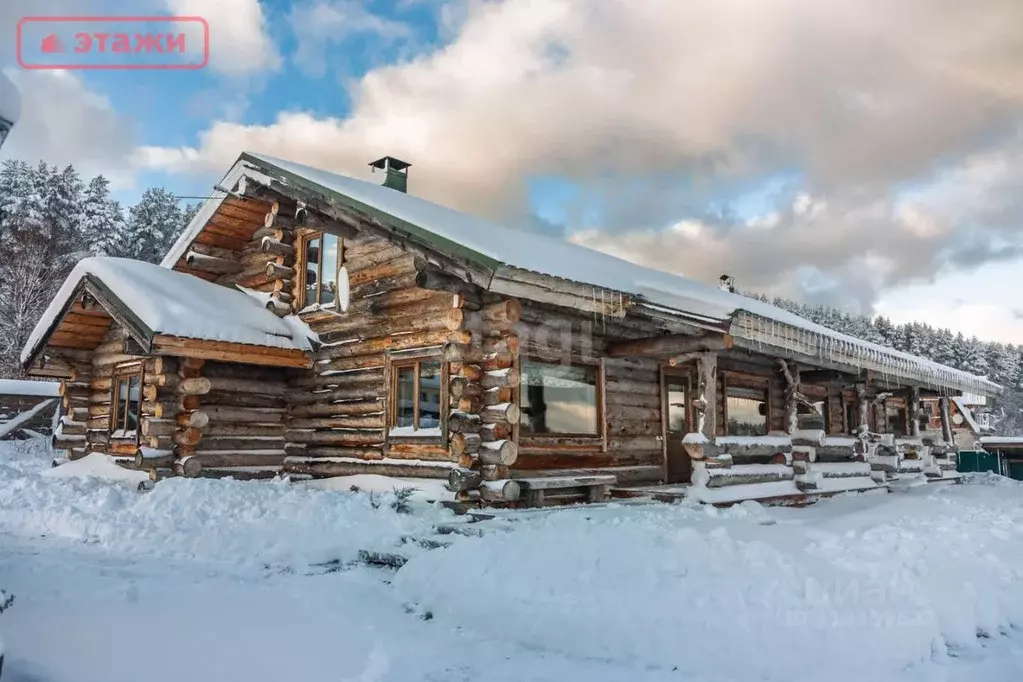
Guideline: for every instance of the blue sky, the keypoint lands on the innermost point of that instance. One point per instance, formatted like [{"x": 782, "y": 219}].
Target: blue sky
[{"x": 691, "y": 136}]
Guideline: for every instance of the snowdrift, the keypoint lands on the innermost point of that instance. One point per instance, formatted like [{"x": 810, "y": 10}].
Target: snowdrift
[
  {"x": 880, "y": 588},
  {"x": 245, "y": 525}
]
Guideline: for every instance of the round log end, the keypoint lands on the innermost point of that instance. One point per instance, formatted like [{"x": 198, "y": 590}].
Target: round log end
[
  {"x": 503, "y": 452},
  {"x": 190, "y": 467},
  {"x": 199, "y": 419}
]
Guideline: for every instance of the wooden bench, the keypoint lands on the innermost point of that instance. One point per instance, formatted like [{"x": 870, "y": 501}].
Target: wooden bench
[{"x": 538, "y": 492}]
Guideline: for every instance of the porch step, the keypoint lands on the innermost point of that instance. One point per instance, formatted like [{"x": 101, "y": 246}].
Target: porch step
[{"x": 552, "y": 490}]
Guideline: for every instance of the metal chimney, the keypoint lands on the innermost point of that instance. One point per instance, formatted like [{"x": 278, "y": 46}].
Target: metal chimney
[{"x": 395, "y": 172}]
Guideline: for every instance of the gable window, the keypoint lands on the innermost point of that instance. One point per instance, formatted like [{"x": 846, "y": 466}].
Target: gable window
[
  {"x": 126, "y": 399},
  {"x": 416, "y": 390},
  {"x": 558, "y": 399},
  {"x": 320, "y": 255},
  {"x": 746, "y": 409}
]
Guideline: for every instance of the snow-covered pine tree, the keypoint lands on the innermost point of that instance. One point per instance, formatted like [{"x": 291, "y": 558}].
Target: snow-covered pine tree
[
  {"x": 943, "y": 350},
  {"x": 62, "y": 202},
  {"x": 187, "y": 214},
  {"x": 153, "y": 225},
  {"x": 39, "y": 219},
  {"x": 885, "y": 329},
  {"x": 103, "y": 226},
  {"x": 975, "y": 361}
]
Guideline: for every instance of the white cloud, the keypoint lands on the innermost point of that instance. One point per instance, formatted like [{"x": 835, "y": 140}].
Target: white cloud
[
  {"x": 620, "y": 96},
  {"x": 63, "y": 122},
  {"x": 981, "y": 304},
  {"x": 240, "y": 43},
  {"x": 321, "y": 23}
]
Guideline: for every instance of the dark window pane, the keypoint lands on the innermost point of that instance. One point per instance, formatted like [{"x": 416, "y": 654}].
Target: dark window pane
[
  {"x": 328, "y": 273},
  {"x": 429, "y": 395},
  {"x": 406, "y": 397},
  {"x": 747, "y": 411},
  {"x": 122, "y": 403},
  {"x": 132, "y": 412},
  {"x": 896, "y": 420},
  {"x": 312, "y": 270},
  {"x": 558, "y": 399},
  {"x": 852, "y": 416}
]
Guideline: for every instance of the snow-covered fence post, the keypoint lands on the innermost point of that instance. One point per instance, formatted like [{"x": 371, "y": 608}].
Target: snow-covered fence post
[
  {"x": 791, "y": 373},
  {"x": 706, "y": 402},
  {"x": 864, "y": 405},
  {"x": 913, "y": 411}
]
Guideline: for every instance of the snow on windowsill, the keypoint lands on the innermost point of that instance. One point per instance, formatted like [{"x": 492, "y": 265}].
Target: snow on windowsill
[
  {"x": 754, "y": 440},
  {"x": 412, "y": 432},
  {"x": 751, "y": 470}
]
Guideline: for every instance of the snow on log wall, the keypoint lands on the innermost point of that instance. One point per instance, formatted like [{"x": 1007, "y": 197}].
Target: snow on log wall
[{"x": 337, "y": 412}]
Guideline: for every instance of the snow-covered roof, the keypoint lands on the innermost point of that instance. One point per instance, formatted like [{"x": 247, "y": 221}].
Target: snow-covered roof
[
  {"x": 1001, "y": 440},
  {"x": 10, "y": 100},
  {"x": 500, "y": 248},
  {"x": 46, "y": 389},
  {"x": 175, "y": 304}
]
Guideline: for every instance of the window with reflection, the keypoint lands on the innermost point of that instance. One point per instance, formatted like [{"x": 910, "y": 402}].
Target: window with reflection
[
  {"x": 126, "y": 398},
  {"x": 558, "y": 399},
  {"x": 416, "y": 407},
  {"x": 321, "y": 258},
  {"x": 810, "y": 417},
  {"x": 746, "y": 408}
]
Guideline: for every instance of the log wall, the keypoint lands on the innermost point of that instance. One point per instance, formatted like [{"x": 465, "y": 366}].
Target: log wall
[
  {"x": 87, "y": 402},
  {"x": 336, "y": 420},
  {"x": 630, "y": 445}
]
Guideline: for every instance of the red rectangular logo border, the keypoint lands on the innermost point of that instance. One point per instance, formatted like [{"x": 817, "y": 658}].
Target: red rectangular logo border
[{"x": 115, "y": 67}]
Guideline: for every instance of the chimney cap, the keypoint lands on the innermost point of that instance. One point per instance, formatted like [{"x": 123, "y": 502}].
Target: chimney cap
[{"x": 391, "y": 162}]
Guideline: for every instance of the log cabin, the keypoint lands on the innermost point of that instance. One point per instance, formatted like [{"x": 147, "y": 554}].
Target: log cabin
[{"x": 315, "y": 325}]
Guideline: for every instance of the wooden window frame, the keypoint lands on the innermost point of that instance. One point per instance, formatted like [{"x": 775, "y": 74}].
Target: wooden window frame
[
  {"x": 850, "y": 403},
  {"x": 684, "y": 374},
  {"x": 815, "y": 393},
  {"x": 396, "y": 362},
  {"x": 124, "y": 371},
  {"x": 897, "y": 404},
  {"x": 600, "y": 438},
  {"x": 750, "y": 382},
  {"x": 301, "y": 266}
]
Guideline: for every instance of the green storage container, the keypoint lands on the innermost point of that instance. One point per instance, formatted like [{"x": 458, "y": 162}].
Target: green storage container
[{"x": 980, "y": 461}]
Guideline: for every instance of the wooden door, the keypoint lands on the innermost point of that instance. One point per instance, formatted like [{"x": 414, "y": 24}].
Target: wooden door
[{"x": 677, "y": 399}]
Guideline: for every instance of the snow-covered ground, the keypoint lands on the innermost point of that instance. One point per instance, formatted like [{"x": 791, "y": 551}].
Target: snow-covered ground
[{"x": 218, "y": 580}]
